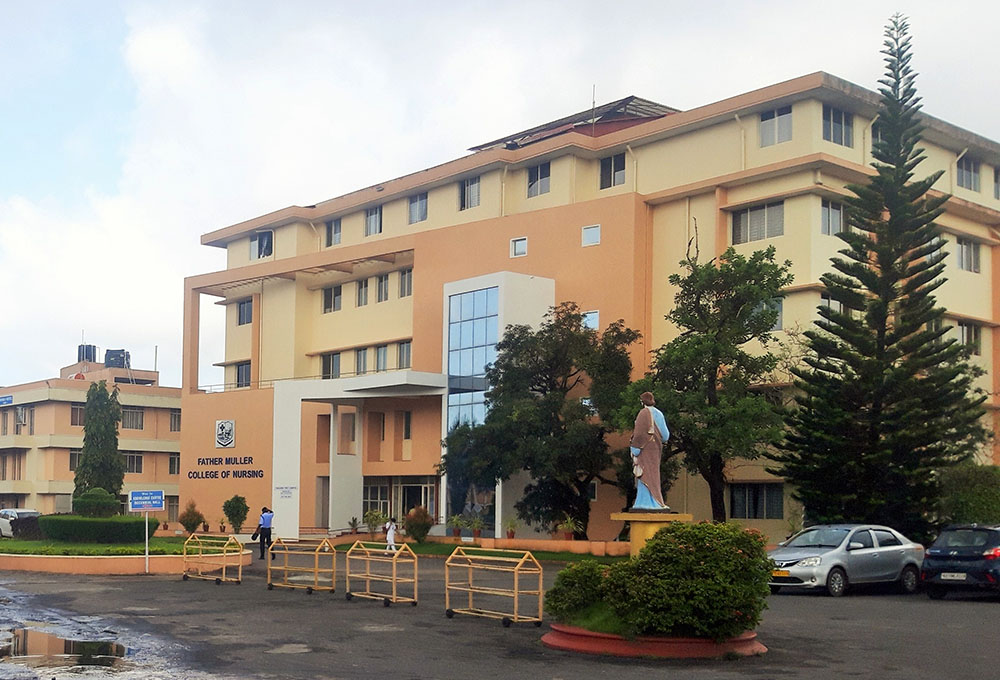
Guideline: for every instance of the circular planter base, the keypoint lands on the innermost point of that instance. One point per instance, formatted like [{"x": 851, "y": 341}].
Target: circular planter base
[{"x": 572, "y": 639}]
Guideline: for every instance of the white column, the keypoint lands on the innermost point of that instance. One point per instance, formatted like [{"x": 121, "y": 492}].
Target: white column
[{"x": 286, "y": 459}]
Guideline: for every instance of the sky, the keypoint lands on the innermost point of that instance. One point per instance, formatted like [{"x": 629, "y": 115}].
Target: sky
[{"x": 129, "y": 129}]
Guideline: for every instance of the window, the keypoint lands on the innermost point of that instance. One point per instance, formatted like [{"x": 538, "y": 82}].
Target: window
[
  {"x": 756, "y": 501},
  {"x": 468, "y": 193},
  {"x": 173, "y": 506},
  {"x": 826, "y": 301},
  {"x": 968, "y": 173},
  {"x": 381, "y": 358},
  {"x": 838, "y": 126},
  {"x": 362, "y": 292},
  {"x": 418, "y": 208},
  {"x": 613, "y": 170},
  {"x": 133, "y": 463},
  {"x": 968, "y": 255},
  {"x": 333, "y": 232},
  {"x": 244, "y": 312},
  {"x": 382, "y": 287},
  {"x": 776, "y": 305},
  {"x": 863, "y": 537},
  {"x": 75, "y": 416},
  {"x": 886, "y": 538},
  {"x": 333, "y": 299},
  {"x": 261, "y": 244},
  {"x": 375, "y": 495},
  {"x": 833, "y": 218},
  {"x": 518, "y": 247},
  {"x": 590, "y": 236},
  {"x": 538, "y": 180},
  {"x": 31, "y": 420},
  {"x": 3, "y": 423},
  {"x": 591, "y": 320},
  {"x": 473, "y": 327},
  {"x": 776, "y": 126},
  {"x": 373, "y": 221},
  {"x": 403, "y": 354},
  {"x": 971, "y": 335},
  {"x": 74, "y": 459},
  {"x": 132, "y": 417},
  {"x": 361, "y": 361},
  {"x": 331, "y": 365},
  {"x": 406, "y": 282},
  {"x": 175, "y": 420},
  {"x": 243, "y": 374},
  {"x": 174, "y": 464},
  {"x": 407, "y": 424},
  {"x": 754, "y": 224}
]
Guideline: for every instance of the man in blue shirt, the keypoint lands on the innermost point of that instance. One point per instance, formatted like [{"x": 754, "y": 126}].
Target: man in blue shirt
[{"x": 264, "y": 530}]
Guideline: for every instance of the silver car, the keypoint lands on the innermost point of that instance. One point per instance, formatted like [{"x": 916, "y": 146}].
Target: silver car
[
  {"x": 833, "y": 556},
  {"x": 13, "y": 513}
]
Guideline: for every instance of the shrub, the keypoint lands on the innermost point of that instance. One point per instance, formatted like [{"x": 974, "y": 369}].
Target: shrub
[
  {"x": 374, "y": 519},
  {"x": 692, "y": 580},
  {"x": 96, "y": 502},
  {"x": 74, "y": 528},
  {"x": 971, "y": 493},
  {"x": 191, "y": 519},
  {"x": 26, "y": 528},
  {"x": 417, "y": 523},
  {"x": 577, "y": 587},
  {"x": 236, "y": 510}
]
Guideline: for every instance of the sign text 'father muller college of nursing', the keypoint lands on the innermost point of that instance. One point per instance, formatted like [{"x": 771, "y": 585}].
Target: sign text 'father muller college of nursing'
[{"x": 225, "y": 467}]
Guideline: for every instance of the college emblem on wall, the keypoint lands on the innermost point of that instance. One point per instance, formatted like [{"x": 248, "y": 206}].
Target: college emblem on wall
[{"x": 225, "y": 434}]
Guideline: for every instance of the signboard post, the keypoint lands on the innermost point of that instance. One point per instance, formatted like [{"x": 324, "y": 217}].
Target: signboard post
[{"x": 146, "y": 501}]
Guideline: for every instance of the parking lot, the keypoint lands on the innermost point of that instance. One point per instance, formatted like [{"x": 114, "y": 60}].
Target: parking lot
[{"x": 197, "y": 627}]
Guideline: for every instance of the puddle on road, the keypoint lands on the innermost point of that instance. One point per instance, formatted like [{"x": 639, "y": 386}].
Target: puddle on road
[{"x": 38, "y": 649}]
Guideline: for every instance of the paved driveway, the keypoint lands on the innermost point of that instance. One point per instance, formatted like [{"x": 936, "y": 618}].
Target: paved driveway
[{"x": 247, "y": 631}]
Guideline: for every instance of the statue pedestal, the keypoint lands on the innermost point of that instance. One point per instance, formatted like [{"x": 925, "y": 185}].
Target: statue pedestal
[{"x": 644, "y": 524}]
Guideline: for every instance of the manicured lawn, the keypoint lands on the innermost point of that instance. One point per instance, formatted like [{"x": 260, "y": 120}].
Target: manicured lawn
[
  {"x": 157, "y": 546},
  {"x": 445, "y": 549}
]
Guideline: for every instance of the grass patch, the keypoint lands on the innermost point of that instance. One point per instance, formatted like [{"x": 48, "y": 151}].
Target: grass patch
[
  {"x": 157, "y": 546},
  {"x": 445, "y": 549},
  {"x": 599, "y": 618}
]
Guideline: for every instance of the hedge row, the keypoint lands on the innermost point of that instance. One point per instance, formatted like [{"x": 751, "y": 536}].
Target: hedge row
[{"x": 119, "y": 529}]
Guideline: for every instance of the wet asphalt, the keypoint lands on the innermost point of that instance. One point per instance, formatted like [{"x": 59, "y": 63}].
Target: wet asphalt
[{"x": 199, "y": 630}]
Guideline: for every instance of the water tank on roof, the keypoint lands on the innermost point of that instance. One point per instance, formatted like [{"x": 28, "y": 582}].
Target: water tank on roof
[
  {"x": 117, "y": 358},
  {"x": 86, "y": 353}
]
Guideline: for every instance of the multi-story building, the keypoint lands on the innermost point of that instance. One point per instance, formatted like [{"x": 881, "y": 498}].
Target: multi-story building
[
  {"x": 41, "y": 433},
  {"x": 357, "y": 329}
]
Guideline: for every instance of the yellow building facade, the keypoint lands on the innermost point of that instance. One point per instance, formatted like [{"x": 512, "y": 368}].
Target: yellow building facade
[
  {"x": 41, "y": 436},
  {"x": 357, "y": 329}
]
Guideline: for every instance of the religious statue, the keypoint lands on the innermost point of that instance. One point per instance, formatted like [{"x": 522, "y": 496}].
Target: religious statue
[{"x": 647, "y": 448}]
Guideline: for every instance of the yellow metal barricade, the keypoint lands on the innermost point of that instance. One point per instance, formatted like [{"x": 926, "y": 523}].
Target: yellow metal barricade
[
  {"x": 487, "y": 573},
  {"x": 377, "y": 563},
  {"x": 307, "y": 564},
  {"x": 220, "y": 556}
]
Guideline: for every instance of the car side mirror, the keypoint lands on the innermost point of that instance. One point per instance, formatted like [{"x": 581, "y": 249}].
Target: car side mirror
[{"x": 854, "y": 545}]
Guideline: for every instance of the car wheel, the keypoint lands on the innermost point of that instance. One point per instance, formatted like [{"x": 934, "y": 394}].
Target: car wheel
[
  {"x": 936, "y": 592},
  {"x": 909, "y": 580},
  {"x": 836, "y": 582}
]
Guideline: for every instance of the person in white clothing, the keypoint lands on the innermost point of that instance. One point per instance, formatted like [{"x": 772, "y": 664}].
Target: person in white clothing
[{"x": 390, "y": 533}]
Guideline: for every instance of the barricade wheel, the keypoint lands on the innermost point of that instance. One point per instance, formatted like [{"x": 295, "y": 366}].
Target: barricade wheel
[
  {"x": 238, "y": 582},
  {"x": 185, "y": 577},
  {"x": 538, "y": 624},
  {"x": 348, "y": 596},
  {"x": 413, "y": 604},
  {"x": 450, "y": 613},
  {"x": 218, "y": 581},
  {"x": 270, "y": 586},
  {"x": 505, "y": 621},
  {"x": 309, "y": 590},
  {"x": 386, "y": 602}
]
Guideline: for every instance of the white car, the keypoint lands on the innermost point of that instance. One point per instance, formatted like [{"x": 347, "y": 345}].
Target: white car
[{"x": 13, "y": 513}]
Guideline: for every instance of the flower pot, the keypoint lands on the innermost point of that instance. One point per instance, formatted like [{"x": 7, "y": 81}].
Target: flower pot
[
  {"x": 456, "y": 532},
  {"x": 222, "y": 528},
  {"x": 573, "y": 639},
  {"x": 510, "y": 534},
  {"x": 204, "y": 527},
  {"x": 568, "y": 535},
  {"x": 476, "y": 533}
]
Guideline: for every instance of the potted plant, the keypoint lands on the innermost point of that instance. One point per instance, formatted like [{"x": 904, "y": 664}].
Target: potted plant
[
  {"x": 222, "y": 526},
  {"x": 374, "y": 519},
  {"x": 204, "y": 527},
  {"x": 476, "y": 524},
  {"x": 569, "y": 527},
  {"x": 191, "y": 518},
  {"x": 235, "y": 510},
  {"x": 456, "y": 523},
  {"x": 164, "y": 525},
  {"x": 354, "y": 524},
  {"x": 510, "y": 526}
]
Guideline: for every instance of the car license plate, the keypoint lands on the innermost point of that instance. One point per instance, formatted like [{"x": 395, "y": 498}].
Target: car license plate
[
  {"x": 952, "y": 576},
  {"x": 780, "y": 572}
]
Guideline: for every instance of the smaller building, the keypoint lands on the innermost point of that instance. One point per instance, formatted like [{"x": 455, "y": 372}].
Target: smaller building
[{"x": 41, "y": 433}]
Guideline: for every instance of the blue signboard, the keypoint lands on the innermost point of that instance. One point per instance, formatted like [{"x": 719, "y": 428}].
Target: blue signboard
[
  {"x": 145, "y": 500},
  {"x": 7, "y": 400}
]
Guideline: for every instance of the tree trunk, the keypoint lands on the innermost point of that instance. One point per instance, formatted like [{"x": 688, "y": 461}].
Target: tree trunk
[{"x": 716, "y": 478}]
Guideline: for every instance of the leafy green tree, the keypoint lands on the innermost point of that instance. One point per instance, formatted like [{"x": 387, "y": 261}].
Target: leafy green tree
[
  {"x": 236, "y": 511},
  {"x": 885, "y": 400},
  {"x": 704, "y": 379},
  {"x": 971, "y": 493},
  {"x": 101, "y": 464},
  {"x": 536, "y": 420}
]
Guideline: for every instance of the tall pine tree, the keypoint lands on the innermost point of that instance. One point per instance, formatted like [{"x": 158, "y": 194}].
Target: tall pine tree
[
  {"x": 884, "y": 399},
  {"x": 101, "y": 464}
]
